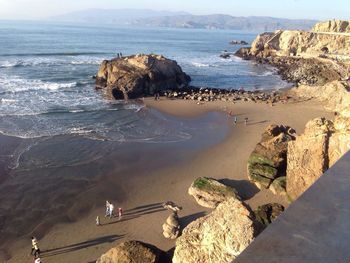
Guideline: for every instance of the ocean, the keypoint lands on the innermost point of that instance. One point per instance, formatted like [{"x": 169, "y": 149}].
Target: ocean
[
  {"x": 46, "y": 69},
  {"x": 65, "y": 148}
]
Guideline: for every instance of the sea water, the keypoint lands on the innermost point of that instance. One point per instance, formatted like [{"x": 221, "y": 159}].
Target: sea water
[{"x": 46, "y": 69}]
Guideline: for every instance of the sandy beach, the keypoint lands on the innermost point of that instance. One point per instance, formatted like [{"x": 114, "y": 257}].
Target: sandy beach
[{"x": 143, "y": 195}]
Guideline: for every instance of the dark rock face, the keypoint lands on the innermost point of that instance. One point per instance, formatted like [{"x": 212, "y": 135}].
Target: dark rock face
[
  {"x": 238, "y": 42},
  {"x": 268, "y": 161},
  {"x": 265, "y": 214},
  {"x": 134, "y": 252},
  {"x": 140, "y": 75}
]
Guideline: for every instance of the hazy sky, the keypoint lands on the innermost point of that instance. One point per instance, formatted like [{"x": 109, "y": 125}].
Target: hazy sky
[{"x": 314, "y": 9}]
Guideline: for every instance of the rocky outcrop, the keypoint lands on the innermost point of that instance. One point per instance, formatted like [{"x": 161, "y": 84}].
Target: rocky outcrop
[
  {"x": 218, "y": 237},
  {"x": 335, "y": 95},
  {"x": 269, "y": 159},
  {"x": 312, "y": 153},
  {"x": 265, "y": 214},
  {"x": 134, "y": 252},
  {"x": 339, "y": 26},
  {"x": 210, "y": 193},
  {"x": 171, "y": 227},
  {"x": 311, "y": 58},
  {"x": 140, "y": 75},
  {"x": 299, "y": 43}
]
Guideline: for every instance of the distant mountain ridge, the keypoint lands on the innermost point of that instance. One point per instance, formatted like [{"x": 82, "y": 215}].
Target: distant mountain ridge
[
  {"x": 220, "y": 21},
  {"x": 113, "y": 16},
  {"x": 152, "y": 18}
]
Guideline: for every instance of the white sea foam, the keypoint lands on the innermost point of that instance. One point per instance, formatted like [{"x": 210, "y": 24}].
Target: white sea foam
[
  {"x": 15, "y": 84},
  {"x": 50, "y": 61},
  {"x": 200, "y": 65}
]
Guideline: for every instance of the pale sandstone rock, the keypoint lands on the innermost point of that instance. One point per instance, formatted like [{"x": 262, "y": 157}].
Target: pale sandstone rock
[
  {"x": 218, "y": 237},
  {"x": 209, "y": 192},
  {"x": 134, "y": 252},
  {"x": 339, "y": 26},
  {"x": 335, "y": 95},
  {"x": 171, "y": 227},
  {"x": 311, "y": 154}
]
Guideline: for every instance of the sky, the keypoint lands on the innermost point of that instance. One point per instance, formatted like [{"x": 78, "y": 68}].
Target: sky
[{"x": 308, "y": 9}]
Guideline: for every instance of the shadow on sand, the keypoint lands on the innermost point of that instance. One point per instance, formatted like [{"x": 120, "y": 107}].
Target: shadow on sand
[
  {"x": 257, "y": 122},
  {"x": 81, "y": 245},
  {"x": 184, "y": 221},
  {"x": 245, "y": 189},
  {"x": 139, "y": 211}
]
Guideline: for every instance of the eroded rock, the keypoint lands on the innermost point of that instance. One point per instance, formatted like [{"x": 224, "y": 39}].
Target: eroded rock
[
  {"x": 171, "y": 227},
  {"x": 218, "y": 237},
  {"x": 209, "y": 192},
  {"x": 332, "y": 26},
  {"x": 312, "y": 153},
  {"x": 265, "y": 214},
  {"x": 134, "y": 252},
  {"x": 140, "y": 75},
  {"x": 268, "y": 160}
]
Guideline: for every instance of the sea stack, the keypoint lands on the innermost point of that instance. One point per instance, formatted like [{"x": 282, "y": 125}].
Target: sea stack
[{"x": 140, "y": 75}]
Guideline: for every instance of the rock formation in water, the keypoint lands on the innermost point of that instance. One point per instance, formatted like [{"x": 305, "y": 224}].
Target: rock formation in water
[
  {"x": 140, "y": 75},
  {"x": 238, "y": 42},
  {"x": 267, "y": 163},
  {"x": 265, "y": 214},
  {"x": 134, "y": 252},
  {"x": 339, "y": 26},
  {"x": 312, "y": 153},
  {"x": 218, "y": 237},
  {"x": 210, "y": 193}
]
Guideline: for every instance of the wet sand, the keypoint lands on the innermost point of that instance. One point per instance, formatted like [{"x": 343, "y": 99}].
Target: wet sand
[{"x": 167, "y": 178}]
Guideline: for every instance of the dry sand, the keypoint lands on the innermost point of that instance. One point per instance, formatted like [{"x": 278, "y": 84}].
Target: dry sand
[{"x": 82, "y": 241}]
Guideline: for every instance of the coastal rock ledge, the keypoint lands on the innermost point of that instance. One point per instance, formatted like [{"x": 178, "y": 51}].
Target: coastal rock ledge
[{"x": 140, "y": 75}]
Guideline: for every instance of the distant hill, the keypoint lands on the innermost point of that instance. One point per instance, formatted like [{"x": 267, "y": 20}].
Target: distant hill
[
  {"x": 152, "y": 18},
  {"x": 113, "y": 16},
  {"x": 252, "y": 23}
]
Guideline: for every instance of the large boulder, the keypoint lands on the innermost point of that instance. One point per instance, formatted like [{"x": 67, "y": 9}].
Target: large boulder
[
  {"x": 134, "y": 252},
  {"x": 265, "y": 214},
  {"x": 209, "y": 192},
  {"x": 312, "y": 153},
  {"x": 268, "y": 160},
  {"x": 218, "y": 237},
  {"x": 140, "y": 75}
]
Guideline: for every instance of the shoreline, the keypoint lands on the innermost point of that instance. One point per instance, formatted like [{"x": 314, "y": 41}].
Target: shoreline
[{"x": 225, "y": 160}]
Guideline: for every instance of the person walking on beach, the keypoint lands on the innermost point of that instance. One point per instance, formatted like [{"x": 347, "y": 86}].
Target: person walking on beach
[
  {"x": 107, "y": 208},
  {"x": 246, "y": 121},
  {"x": 98, "y": 221},
  {"x": 111, "y": 210},
  {"x": 35, "y": 248},
  {"x": 120, "y": 213},
  {"x": 235, "y": 120},
  {"x": 34, "y": 241}
]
